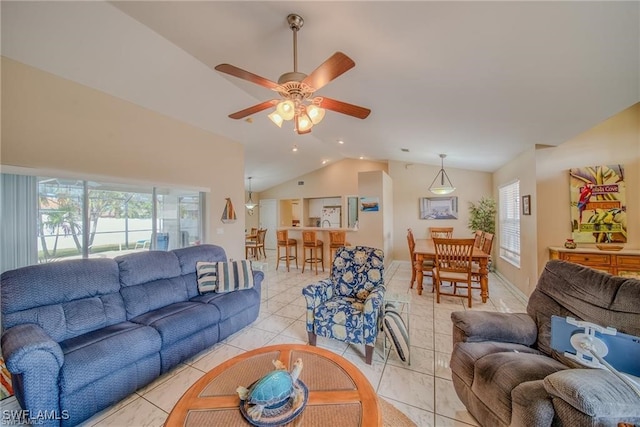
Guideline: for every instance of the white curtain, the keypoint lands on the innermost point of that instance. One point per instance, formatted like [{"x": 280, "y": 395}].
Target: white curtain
[{"x": 18, "y": 219}]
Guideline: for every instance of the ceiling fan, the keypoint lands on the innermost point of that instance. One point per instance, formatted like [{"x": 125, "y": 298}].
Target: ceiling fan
[{"x": 296, "y": 89}]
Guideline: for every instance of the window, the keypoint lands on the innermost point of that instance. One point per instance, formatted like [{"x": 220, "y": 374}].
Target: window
[
  {"x": 509, "y": 201},
  {"x": 73, "y": 218}
]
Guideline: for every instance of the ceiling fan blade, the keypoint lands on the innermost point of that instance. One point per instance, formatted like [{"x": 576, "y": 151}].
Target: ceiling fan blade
[
  {"x": 253, "y": 109},
  {"x": 345, "y": 108},
  {"x": 245, "y": 75},
  {"x": 336, "y": 65}
]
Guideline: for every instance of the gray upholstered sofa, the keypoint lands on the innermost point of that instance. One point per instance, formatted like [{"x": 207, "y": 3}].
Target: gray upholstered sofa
[
  {"x": 505, "y": 372},
  {"x": 80, "y": 335}
]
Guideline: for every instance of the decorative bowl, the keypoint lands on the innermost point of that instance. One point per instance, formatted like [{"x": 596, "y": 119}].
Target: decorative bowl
[{"x": 609, "y": 247}]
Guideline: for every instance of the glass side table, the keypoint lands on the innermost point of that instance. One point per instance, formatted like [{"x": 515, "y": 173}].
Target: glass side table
[
  {"x": 264, "y": 267},
  {"x": 402, "y": 300}
]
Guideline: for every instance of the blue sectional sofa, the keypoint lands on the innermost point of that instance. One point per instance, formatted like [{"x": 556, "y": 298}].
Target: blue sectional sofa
[{"x": 80, "y": 335}]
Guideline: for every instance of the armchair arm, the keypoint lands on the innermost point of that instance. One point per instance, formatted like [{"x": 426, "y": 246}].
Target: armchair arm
[
  {"x": 372, "y": 308},
  {"x": 475, "y": 326},
  {"x": 35, "y": 360},
  {"x": 592, "y": 394},
  {"x": 258, "y": 277},
  {"x": 316, "y": 294}
]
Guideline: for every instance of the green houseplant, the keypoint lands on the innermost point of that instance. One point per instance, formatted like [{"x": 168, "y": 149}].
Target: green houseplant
[{"x": 482, "y": 215}]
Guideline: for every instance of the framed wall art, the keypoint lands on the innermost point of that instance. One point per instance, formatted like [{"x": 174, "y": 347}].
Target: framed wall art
[
  {"x": 439, "y": 207},
  {"x": 526, "y": 205},
  {"x": 598, "y": 204}
]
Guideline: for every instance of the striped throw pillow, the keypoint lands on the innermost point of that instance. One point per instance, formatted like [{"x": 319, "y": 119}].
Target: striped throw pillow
[
  {"x": 234, "y": 275},
  {"x": 207, "y": 275}
]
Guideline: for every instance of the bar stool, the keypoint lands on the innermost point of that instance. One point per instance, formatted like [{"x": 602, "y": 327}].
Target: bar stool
[
  {"x": 285, "y": 242},
  {"x": 336, "y": 241},
  {"x": 310, "y": 242}
]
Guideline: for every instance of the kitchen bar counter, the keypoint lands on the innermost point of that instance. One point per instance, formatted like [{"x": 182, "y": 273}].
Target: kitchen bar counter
[
  {"x": 322, "y": 233},
  {"x": 317, "y": 229}
]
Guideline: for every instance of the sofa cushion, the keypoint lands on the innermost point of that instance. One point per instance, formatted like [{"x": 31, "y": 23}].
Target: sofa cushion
[
  {"x": 177, "y": 321},
  {"x": 207, "y": 276},
  {"x": 496, "y": 375},
  {"x": 466, "y": 354},
  {"x": 230, "y": 303},
  {"x": 189, "y": 256},
  {"x": 94, "y": 355},
  {"x": 234, "y": 275},
  {"x": 66, "y": 299}
]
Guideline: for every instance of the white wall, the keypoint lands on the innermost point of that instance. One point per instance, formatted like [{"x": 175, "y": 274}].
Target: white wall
[{"x": 49, "y": 123}]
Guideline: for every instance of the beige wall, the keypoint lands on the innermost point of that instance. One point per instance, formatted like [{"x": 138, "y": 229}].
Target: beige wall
[
  {"x": 411, "y": 182},
  {"x": 615, "y": 141},
  {"x": 522, "y": 168},
  {"x": 336, "y": 179},
  {"x": 50, "y": 123},
  {"x": 544, "y": 174}
]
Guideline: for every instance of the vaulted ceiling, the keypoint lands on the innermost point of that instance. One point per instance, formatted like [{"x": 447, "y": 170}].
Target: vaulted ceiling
[{"x": 478, "y": 81}]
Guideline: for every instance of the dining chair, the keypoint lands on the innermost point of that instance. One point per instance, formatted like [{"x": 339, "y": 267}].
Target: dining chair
[
  {"x": 285, "y": 242},
  {"x": 337, "y": 239},
  {"x": 252, "y": 236},
  {"x": 427, "y": 264},
  {"x": 256, "y": 248},
  {"x": 453, "y": 265},
  {"x": 313, "y": 245},
  {"x": 478, "y": 239},
  {"x": 487, "y": 244},
  {"x": 441, "y": 232}
]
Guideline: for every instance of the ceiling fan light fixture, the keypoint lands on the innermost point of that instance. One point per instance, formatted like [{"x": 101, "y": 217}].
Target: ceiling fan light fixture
[
  {"x": 276, "y": 118},
  {"x": 286, "y": 109},
  {"x": 303, "y": 123},
  {"x": 315, "y": 113},
  {"x": 441, "y": 184}
]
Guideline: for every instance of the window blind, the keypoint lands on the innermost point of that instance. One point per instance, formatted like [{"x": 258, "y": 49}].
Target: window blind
[{"x": 509, "y": 201}]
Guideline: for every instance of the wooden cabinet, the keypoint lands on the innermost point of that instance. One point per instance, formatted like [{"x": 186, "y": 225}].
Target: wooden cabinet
[{"x": 624, "y": 263}]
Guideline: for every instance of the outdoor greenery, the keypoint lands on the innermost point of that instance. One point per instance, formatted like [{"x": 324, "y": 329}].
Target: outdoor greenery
[
  {"x": 482, "y": 215},
  {"x": 61, "y": 212}
]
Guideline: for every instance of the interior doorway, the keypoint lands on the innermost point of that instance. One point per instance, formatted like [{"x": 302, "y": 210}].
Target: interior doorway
[{"x": 268, "y": 220}]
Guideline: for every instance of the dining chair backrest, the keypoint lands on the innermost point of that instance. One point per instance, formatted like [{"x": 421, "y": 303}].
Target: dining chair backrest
[
  {"x": 479, "y": 237},
  {"x": 412, "y": 242},
  {"x": 261, "y": 235},
  {"x": 441, "y": 232},
  {"x": 487, "y": 242},
  {"x": 453, "y": 255}
]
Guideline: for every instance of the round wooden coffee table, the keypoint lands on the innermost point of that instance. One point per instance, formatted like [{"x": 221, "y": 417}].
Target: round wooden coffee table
[{"x": 339, "y": 394}]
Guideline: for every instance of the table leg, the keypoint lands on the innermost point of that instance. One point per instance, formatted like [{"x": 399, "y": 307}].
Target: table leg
[
  {"x": 418, "y": 269},
  {"x": 484, "y": 279}
]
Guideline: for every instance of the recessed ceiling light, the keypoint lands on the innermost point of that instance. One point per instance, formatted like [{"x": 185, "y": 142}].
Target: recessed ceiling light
[
  {"x": 340, "y": 141},
  {"x": 361, "y": 157},
  {"x": 295, "y": 148},
  {"x": 404, "y": 150},
  {"x": 324, "y": 162}
]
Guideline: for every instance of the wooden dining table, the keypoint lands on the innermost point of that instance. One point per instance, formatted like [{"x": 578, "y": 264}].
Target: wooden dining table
[{"x": 426, "y": 250}]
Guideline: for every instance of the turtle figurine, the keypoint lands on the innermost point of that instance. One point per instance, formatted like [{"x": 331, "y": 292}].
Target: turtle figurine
[{"x": 274, "y": 393}]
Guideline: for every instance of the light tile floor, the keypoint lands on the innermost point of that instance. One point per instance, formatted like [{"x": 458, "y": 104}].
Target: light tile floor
[{"x": 423, "y": 390}]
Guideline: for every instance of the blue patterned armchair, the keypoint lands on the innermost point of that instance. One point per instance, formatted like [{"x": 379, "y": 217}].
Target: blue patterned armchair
[{"x": 346, "y": 306}]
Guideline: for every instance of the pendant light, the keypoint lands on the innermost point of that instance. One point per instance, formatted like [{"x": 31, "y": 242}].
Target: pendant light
[
  {"x": 250, "y": 204},
  {"x": 438, "y": 186}
]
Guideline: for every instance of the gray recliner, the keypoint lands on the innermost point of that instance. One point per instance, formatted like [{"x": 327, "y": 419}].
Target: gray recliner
[{"x": 506, "y": 374}]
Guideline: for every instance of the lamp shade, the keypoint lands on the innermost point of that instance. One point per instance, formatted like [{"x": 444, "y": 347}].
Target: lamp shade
[
  {"x": 441, "y": 184},
  {"x": 315, "y": 113},
  {"x": 276, "y": 118},
  {"x": 286, "y": 109},
  {"x": 303, "y": 123}
]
